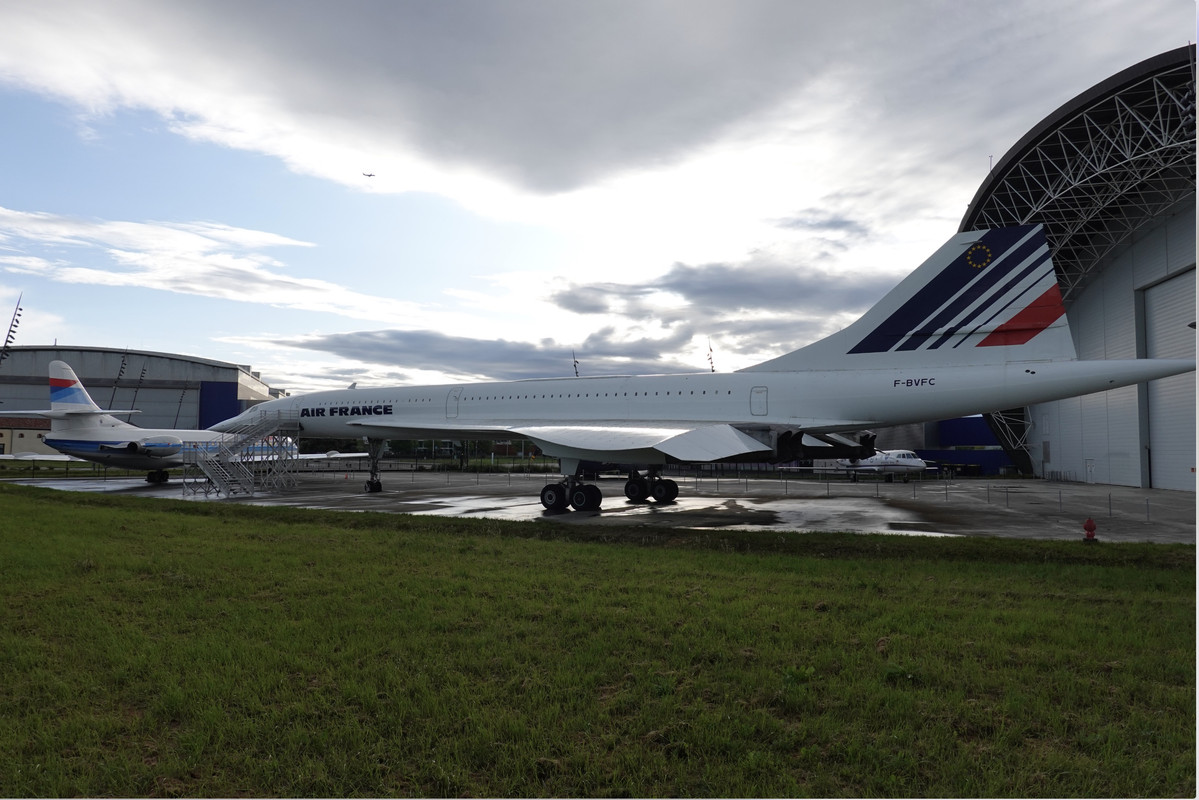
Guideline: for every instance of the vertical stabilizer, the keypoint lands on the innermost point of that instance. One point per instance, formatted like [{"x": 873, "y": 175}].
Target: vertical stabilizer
[
  {"x": 67, "y": 393},
  {"x": 985, "y": 297}
]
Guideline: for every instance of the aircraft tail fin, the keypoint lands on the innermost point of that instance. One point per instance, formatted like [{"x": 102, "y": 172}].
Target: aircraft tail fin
[
  {"x": 985, "y": 297},
  {"x": 69, "y": 401},
  {"x": 70, "y": 404},
  {"x": 67, "y": 394}
]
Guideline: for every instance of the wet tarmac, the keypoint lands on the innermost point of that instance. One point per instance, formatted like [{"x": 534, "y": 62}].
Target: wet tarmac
[{"x": 979, "y": 507}]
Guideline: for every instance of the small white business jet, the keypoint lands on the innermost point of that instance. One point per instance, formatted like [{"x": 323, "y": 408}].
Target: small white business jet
[
  {"x": 889, "y": 463},
  {"x": 979, "y": 326}
]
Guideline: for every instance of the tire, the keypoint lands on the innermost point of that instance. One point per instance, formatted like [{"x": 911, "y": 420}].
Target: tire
[
  {"x": 637, "y": 490},
  {"x": 665, "y": 491},
  {"x": 553, "y": 496},
  {"x": 580, "y": 498},
  {"x": 595, "y": 497}
]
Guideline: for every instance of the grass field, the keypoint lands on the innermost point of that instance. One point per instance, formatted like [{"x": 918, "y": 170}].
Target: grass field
[{"x": 161, "y": 647}]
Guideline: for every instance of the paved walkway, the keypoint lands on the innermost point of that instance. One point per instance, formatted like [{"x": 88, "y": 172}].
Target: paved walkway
[{"x": 962, "y": 507}]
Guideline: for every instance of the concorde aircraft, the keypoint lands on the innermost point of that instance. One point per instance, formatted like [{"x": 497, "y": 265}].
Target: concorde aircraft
[{"x": 979, "y": 326}]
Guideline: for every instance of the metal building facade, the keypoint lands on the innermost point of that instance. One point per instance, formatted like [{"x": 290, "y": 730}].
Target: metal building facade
[
  {"x": 1139, "y": 305},
  {"x": 170, "y": 391},
  {"x": 1111, "y": 176}
]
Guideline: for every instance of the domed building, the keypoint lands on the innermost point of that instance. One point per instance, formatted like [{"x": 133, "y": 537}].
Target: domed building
[{"x": 1111, "y": 176}]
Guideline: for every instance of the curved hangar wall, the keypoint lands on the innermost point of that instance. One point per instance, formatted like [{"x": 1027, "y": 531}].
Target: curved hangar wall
[
  {"x": 171, "y": 391},
  {"x": 1111, "y": 175}
]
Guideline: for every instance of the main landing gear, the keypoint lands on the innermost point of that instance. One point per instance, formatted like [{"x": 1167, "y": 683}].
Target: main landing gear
[
  {"x": 374, "y": 452},
  {"x": 587, "y": 496},
  {"x": 157, "y": 476},
  {"x": 583, "y": 496}
]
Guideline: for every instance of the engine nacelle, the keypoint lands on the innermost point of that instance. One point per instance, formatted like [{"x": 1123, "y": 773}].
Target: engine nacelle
[{"x": 152, "y": 446}]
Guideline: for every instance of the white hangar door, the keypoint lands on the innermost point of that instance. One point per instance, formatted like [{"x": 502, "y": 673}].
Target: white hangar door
[{"x": 1169, "y": 311}]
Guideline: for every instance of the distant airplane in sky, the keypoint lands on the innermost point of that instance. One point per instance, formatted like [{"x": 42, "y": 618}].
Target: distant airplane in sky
[
  {"x": 979, "y": 326},
  {"x": 368, "y": 174}
]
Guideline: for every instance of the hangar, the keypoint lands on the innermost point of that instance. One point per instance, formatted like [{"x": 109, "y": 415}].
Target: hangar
[
  {"x": 171, "y": 391},
  {"x": 1111, "y": 176}
]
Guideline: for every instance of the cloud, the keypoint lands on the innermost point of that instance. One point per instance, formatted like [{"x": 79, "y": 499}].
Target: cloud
[
  {"x": 822, "y": 222},
  {"x": 547, "y": 97},
  {"x": 725, "y": 291},
  {"x": 199, "y": 258},
  {"x": 707, "y": 167},
  {"x": 466, "y": 359}
]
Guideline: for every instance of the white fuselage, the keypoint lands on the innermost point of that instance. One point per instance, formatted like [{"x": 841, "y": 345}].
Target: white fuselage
[
  {"x": 811, "y": 400},
  {"x": 112, "y": 442},
  {"x": 887, "y": 462}
]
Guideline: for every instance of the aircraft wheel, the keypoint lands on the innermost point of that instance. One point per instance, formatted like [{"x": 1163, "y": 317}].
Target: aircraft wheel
[
  {"x": 665, "y": 491},
  {"x": 637, "y": 490},
  {"x": 371, "y": 486},
  {"x": 553, "y": 496},
  {"x": 586, "y": 497}
]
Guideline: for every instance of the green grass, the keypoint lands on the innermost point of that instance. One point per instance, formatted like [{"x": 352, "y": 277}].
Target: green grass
[{"x": 161, "y": 647}]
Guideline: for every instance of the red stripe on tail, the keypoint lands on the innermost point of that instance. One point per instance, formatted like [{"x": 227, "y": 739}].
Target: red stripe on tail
[{"x": 1038, "y": 316}]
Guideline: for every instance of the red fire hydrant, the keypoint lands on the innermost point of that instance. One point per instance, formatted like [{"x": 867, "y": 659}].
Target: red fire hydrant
[{"x": 1089, "y": 528}]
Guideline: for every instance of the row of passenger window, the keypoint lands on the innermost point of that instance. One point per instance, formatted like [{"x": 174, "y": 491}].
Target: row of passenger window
[
  {"x": 701, "y": 393},
  {"x": 410, "y": 400}
]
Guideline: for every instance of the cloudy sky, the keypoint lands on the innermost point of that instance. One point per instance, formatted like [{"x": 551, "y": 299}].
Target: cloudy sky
[{"x": 625, "y": 183}]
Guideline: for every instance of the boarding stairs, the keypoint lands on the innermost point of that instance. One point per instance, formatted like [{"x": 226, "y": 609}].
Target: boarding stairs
[{"x": 258, "y": 455}]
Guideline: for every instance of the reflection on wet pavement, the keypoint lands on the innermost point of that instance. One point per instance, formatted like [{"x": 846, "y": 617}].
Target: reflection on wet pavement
[{"x": 1026, "y": 509}]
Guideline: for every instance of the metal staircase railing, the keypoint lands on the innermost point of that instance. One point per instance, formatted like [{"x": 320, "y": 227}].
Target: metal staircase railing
[{"x": 261, "y": 454}]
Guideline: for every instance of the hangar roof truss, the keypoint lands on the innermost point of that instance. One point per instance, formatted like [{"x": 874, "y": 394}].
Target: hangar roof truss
[{"x": 1100, "y": 167}]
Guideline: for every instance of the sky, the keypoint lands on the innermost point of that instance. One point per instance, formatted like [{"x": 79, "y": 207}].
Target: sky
[{"x": 657, "y": 186}]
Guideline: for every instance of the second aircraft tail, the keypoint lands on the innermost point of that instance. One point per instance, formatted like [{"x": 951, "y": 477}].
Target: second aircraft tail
[{"x": 67, "y": 395}]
